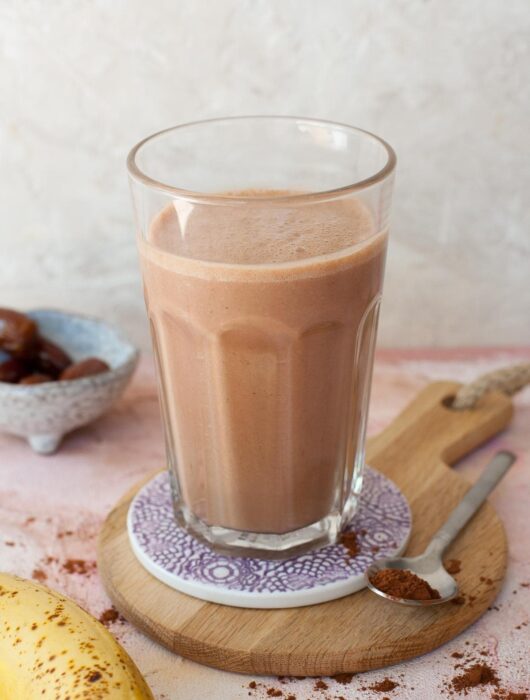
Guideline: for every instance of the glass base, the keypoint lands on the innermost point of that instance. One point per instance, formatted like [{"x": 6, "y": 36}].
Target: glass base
[{"x": 267, "y": 546}]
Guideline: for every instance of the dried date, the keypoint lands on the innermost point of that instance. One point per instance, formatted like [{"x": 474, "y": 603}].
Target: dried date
[
  {"x": 36, "y": 378},
  {"x": 13, "y": 370},
  {"x": 18, "y": 333},
  {"x": 85, "y": 368},
  {"x": 51, "y": 358}
]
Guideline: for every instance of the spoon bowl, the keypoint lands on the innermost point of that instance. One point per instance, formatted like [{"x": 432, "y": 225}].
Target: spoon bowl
[{"x": 428, "y": 567}]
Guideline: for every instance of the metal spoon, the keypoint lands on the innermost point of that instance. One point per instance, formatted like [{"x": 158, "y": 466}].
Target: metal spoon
[{"x": 429, "y": 565}]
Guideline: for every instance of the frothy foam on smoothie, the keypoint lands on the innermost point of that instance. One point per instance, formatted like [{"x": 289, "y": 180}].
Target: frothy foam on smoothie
[{"x": 258, "y": 233}]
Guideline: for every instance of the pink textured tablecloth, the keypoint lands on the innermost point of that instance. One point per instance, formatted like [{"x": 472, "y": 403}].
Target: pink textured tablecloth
[{"x": 51, "y": 509}]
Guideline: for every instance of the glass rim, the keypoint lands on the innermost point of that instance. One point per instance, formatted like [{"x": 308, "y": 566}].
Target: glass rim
[{"x": 137, "y": 174}]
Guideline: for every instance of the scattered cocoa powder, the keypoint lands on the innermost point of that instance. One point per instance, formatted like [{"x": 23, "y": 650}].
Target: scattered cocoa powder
[
  {"x": 65, "y": 533},
  {"x": 403, "y": 584},
  {"x": 9, "y": 543},
  {"x": 108, "y": 616},
  {"x": 321, "y": 685},
  {"x": 349, "y": 541},
  {"x": 475, "y": 673},
  {"x": 39, "y": 575},
  {"x": 478, "y": 674},
  {"x": 79, "y": 566},
  {"x": 253, "y": 685},
  {"x": 453, "y": 566},
  {"x": 274, "y": 692},
  {"x": 344, "y": 678},
  {"x": 384, "y": 686}
]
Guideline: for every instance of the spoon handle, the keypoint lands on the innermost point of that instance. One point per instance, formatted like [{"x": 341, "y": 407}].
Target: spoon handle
[{"x": 472, "y": 501}]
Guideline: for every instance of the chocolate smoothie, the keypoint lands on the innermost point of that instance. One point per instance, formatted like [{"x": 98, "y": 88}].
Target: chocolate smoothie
[{"x": 263, "y": 320}]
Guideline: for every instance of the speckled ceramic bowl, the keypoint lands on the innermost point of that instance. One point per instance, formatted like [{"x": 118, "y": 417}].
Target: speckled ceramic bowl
[{"x": 44, "y": 413}]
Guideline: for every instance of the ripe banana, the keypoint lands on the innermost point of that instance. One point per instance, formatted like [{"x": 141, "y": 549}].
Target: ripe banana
[{"x": 52, "y": 649}]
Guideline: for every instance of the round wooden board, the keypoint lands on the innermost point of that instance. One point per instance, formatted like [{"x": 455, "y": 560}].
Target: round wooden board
[{"x": 361, "y": 631}]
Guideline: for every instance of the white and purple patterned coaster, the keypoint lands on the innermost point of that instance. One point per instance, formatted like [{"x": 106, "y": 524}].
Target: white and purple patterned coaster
[{"x": 382, "y": 523}]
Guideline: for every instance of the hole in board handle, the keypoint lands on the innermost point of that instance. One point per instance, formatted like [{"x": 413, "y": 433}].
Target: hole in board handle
[{"x": 448, "y": 401}]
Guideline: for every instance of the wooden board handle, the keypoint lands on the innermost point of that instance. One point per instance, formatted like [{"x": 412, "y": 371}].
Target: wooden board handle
[{"x": 429, "y": 428}]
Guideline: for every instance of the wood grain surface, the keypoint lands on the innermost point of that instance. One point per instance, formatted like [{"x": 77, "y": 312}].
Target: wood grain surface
[{"x": 361, "y": 631}]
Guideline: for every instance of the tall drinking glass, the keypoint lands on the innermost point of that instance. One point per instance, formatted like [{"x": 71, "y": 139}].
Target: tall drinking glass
[{"x": 262, "y": 244}]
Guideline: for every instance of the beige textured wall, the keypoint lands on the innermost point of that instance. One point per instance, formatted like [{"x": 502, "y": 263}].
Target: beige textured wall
[{"x": 446, "y": 83}]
